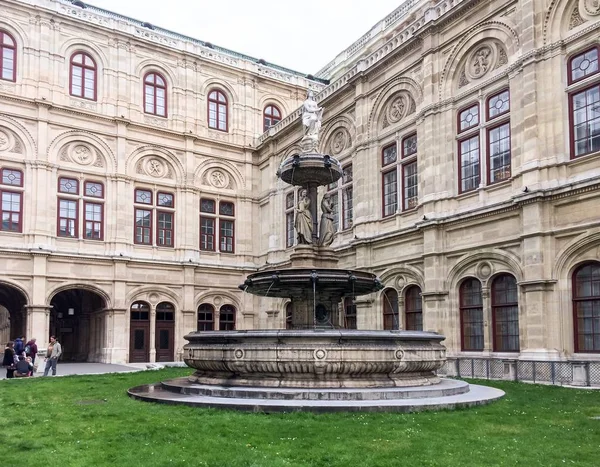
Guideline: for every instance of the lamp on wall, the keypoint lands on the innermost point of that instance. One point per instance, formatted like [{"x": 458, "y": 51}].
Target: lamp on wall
[{"x": 71, "y": 311}]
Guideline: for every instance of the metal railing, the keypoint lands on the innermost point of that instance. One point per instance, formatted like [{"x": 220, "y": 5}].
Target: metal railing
[{"x": 569, "y": 373}]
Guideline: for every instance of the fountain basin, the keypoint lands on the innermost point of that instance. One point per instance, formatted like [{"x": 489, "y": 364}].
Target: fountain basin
[
  {"x": 339, "y": 358},
  {"x": 310, "y": 168}
]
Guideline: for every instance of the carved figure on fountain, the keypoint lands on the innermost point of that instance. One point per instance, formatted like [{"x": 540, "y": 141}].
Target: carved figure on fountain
[
  {"x": 326, "y": 227},
  {"x": 303, "y": 222}
]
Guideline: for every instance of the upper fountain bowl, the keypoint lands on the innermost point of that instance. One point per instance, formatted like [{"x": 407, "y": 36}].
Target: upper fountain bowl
[{"x": 302, "y": 169}]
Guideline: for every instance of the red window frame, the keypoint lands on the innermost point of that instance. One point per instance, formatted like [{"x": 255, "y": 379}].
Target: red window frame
[
  {"x": 76, "y": 193},
  {"x": 135, "y": 194},
  {"x": 406, "y": 201},
  {"x": 460, "y": 154},
  {"x": 204, "y": 323},
  {"x": 570, "y": 79},
  {"x": 347, "y": 197},
  {"x": 394, "y": 192},
  {"x": 145, "y": 229},
  {"x": 84, "y": 66},
  {"x": 99, "y": 224},
  {"x": 413, "y": 308},
  {"x": 164, "y": 231},
  {"x": 390, "y": 309},
  {"x": 85, "y": 189},
  {"x": 163, "y": 193},
  {"x": 290, "y": 203},
  {"x": 464, "y": 308},
  {"x": 572, "y": 140},
  {"x": 218, "y": 110},
  {"x": 507, "y": 167},
  {"x": 151, "y": 82},
  {"x": 227, "y": 318},
  {"x": 460, "y": 130},
  {"x": 207, "y": 238},
  {"x": 223, "y": 236},
  {"x": 594, "y": 304},
  {"x": 5, "y": 169},
  {"x": 383, "y": 150},
  {"x": 269, "y": 117},
  {"x": 75, "y": 219},
  {"x": 19, "y": 224},
  {"x": 502, "y": 307},
  {"x": 489, "y": 99},
  {"x": 4, "y": 47}
]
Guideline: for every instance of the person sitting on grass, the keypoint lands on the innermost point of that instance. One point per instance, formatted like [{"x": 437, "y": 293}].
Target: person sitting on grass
[{"x": 24, "y": 368}]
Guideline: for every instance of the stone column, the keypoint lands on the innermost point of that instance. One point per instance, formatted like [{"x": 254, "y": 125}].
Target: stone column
[
  {"x": 38, "y": 323},
  {"x": 488, "y": 326},
  {"x": 152, "y": 343},
  {"x": 365, "y": 310},
  {"x": 273, "y": 319},
  {"x": 119, "y": 348},
  {"x": 312, "y": 196}
]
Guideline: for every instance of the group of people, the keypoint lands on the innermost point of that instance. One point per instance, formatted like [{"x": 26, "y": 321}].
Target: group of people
[{"x": 19, "y": 357}]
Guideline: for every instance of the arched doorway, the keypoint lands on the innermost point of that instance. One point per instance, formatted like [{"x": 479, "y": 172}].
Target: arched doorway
[
  {"x": 13, "y": 315},
  {"x": 77, "y": 321},
  {"x": 165, "y": 332}
]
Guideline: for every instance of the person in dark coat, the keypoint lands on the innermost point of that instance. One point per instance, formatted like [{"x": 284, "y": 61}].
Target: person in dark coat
[
  {"x": 33, "y": 350},
  {"x": 19, "y": 346},
  {"x": 8, "y": 361},
  {"x": 23, "y": 368}
]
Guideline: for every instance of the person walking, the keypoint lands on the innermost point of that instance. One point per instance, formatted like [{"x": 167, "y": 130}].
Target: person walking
[
  {"x": 19, "y": 345},
  {"x": 31, "y": 350},
  {"x": 8, "y": 361},
  {"x": 52, "y": 353}
]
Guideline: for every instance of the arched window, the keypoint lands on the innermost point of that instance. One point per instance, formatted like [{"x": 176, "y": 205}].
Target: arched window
[
  {"x": 586, "y": 307},
  {"x": 505, "y": 314},
  {"x": 82, "y": 76},
  {"x": 217, "y": 110},
  {"x": 227, "y": 318},
  {"x": 288, "y": 316},
  {"x": 8, "y": 57},
  {"x": 206, "y": 320},
  {"x": 413, "y": 308},
  {"x": 390, "y": 309},
  {"x": 165, "y": 311},
  {"x": 471, "y": 315},
  {"x": 272, "y": 116},
  {"x": 155, "y": 95}
]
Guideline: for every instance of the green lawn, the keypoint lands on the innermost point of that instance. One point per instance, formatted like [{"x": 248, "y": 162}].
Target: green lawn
[{"x": 90, "y": 421}]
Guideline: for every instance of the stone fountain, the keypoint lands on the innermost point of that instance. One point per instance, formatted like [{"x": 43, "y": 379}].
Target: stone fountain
[{"x": 317, "y": 365}]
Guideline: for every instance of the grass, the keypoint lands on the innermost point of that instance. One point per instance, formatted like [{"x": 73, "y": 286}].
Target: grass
[{"x": 90, "y": 421}]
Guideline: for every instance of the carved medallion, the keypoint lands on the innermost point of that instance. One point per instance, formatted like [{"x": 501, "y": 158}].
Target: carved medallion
[
  {"x": 396, "y": 109},
  {"x": 218, "y": 179},
  {"x": 484, "y": 270},
  {"x": 82, "y": 154},
  {"x": 339, "y": 142},
  {"x": 155, "y": 168},
  {"x": 481, "y": 61}
]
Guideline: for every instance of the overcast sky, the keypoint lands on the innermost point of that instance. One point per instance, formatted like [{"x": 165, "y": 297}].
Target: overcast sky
[{"x": 303, "y": 35}]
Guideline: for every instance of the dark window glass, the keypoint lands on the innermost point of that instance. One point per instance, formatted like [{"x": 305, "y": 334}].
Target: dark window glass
[
  {"x": 390, "y": 309},
  {"x": 207, "y": 205},
  {"x": 413, "y": 308},
  {"x": 207, "y": 233},
  {"x": 505, "y": 314},
  {"x": 163, "y": 339},
  {"x": 586, "y": 308},
  {"x": 206, "y": 317},
  {"x": 227, "y": 318},
  {"x": 389, "y": 155},
  {"x": 139, "y": 338},
  {"x": 226, "y": 208},
  {"x": 471, "y": 312},
  {"x": 409, "y": 146}
]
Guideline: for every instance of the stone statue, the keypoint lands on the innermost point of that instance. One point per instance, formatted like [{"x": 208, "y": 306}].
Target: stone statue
[
  {"x": 326, "y": 227},
  {"x": 311, "y": 119},
  {"x": 303, "y": 222}
]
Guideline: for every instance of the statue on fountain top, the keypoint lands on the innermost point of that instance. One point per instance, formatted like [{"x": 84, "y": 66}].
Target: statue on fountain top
[{"x": 311, "y": 119}]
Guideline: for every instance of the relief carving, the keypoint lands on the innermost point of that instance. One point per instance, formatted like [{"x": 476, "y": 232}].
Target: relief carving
[
  {"x": 5, "y": 142},
  {"x": 81, "y": 153},
  {"x": 339, "y": 142},
  {"x": 576, "y": 19},
  {"x": 9, "y": 142},
  {"x": 481, "y": 61},
  {"x": 592, "y": 7},
  {"x": 399, "y": 107}
]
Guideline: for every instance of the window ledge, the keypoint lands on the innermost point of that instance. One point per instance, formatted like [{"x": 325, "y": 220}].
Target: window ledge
[
  {"x": 574, "y": 161},
  {"x": 469, "y": 194},
  {"x": 499, "y": 185}
]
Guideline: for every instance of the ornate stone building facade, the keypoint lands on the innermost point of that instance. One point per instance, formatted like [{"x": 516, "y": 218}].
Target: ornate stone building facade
[{"x": 139, "y": 186}]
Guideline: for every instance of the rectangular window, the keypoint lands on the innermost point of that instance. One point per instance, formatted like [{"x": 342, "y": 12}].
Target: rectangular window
[
  {"x": 586, "y": 121},
  {"x": 93, "y": 220},
  {"x": 226, "y": 235},
  {"x": 165, "y": 200},
  {"x": 389, "y": 155},
  {"x": 208, "y": 205},
  {"x": 226, "y": 208},
  {"x": 468, "y": 118},
  {"x": 469, "y": 164},
  {"x": 143, "y": 196},
  {"x": 94, "y": 189},
  {"x": 583, "y": 65},
  {"x": 289, "y": 229},
  {"x": 164, "y": 228},
  {"x": 12, "y": 177},
  {"x": 390, "y": 192},
  {"x": 67, "y": 218},
  {"x": 149, "y": 99},
  {"x": 499, "y": 153},
  {"x": 498, "y": 104},
  {"x": 409, "y": 146},
  {"x": 410, "y": 182},
  {"x": 207, "y": 233},
  {"x": 68, "y": 185},
  {"x": 11, "y": 211},
  {"x": 143, "y": 226},
  {"x": 348, "y": 212}
]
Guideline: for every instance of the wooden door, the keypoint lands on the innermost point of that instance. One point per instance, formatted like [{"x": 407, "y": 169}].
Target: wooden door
[{"x": 139, "y": 342}]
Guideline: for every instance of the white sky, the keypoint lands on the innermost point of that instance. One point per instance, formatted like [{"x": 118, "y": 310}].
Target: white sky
[{"x": 303, "y": 35}]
